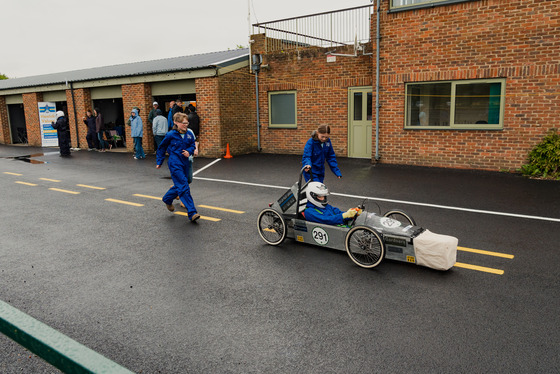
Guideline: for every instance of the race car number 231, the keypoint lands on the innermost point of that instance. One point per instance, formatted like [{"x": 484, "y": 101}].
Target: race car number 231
[{"x": 320, "y": 236}]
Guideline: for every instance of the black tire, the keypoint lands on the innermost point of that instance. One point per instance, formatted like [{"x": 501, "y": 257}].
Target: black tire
[
  {"x": 272, "y": 227},
  {"x": 399, "y": 215},
  {"x": 365, "y": 247}
]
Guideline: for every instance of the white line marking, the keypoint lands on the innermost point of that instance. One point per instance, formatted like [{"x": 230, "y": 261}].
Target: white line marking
[
  {"x": 550, "y": 219},
  {"x": 207, "y": 166}
]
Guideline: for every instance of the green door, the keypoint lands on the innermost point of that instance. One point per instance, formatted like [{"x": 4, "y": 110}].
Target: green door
[{"x": 359, "y": 122}]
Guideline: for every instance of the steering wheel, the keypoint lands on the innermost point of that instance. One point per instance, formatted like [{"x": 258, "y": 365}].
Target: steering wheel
[{"x": 362, "y": 207}]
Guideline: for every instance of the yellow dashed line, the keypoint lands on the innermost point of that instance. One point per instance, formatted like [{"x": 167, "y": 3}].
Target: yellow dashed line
[
  {"x": 201, "y": 217},
  {"x": 26, "y": 183},
  {"x": 479, "y": 268},
  {"x": 147, "y": 196},
  {"x": 496, "y": 254},
  {"x": 49, "y": 180},
  {"x": 7, "y": 172},
  {"x": 222, "y": 209},
  {"x": 92, "y": 187},
  {"x": 65, "y": 191},
  {"x": 123, "y": 202}
]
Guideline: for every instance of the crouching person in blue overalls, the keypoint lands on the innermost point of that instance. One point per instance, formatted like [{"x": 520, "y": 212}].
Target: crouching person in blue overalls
[
  {"x": 179, "y": 143},
  {"x": 318, "y": 210}
]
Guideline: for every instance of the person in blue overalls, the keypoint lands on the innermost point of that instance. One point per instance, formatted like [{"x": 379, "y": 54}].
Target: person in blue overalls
[
  {"x": 317, "y": 150},
  {"x": 179, "y": 143},
  {"x": 319, "y": 210}
]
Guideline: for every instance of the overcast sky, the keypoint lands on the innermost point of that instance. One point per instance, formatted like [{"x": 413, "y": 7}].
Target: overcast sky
[{"x": 48, "y": 36}]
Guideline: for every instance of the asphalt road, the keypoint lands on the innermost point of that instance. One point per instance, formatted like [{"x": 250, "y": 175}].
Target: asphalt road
[{"x": 157, "y": 294}]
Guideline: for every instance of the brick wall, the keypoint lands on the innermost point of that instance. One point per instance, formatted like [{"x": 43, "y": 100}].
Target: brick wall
[
  {"x": 31, "y": 108},
  {"x": 322, "y": 93},
  {"x": 82, "y": 97},
  {"x": 4, "y": 125},
  {"x": 208, "y": 109},
  {"x": 515, "y": 39},
  {"x": 238, "y": 111},
  {"x": 138, "y": 95}
]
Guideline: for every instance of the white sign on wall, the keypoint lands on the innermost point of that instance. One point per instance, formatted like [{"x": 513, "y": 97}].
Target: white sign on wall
[{"x": 47, "y": 115}]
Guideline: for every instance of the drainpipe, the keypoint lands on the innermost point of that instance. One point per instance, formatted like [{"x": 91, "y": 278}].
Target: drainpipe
[
  {"x": 258, "y": 113},
  {"x": 377, "y": 85},
  {"x": 75, "y": 115},
  {"x": 256, "y": 67}
]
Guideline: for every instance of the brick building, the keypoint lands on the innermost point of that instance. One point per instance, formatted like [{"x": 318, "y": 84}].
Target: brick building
[
  {"x": 218, "y": 83},
  {"x": 462, "y": 83}
]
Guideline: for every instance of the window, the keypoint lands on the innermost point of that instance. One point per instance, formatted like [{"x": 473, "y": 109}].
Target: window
[
  {"x": 477, "y": 104},
  {"x": 407, "y": 4},
  {"x": 282, "y": 109}
]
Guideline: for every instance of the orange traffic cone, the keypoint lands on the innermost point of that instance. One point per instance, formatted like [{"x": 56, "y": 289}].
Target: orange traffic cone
[{"x": 228, "y": 155}]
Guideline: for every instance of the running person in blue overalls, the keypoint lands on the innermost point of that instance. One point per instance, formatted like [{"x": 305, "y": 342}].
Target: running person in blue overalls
[
  {"x": 179, "y": 143},
  {"x": 317, "y": 150}
]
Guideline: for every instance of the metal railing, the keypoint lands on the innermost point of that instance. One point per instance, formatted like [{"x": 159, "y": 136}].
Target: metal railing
[
  {"x": 349, "y": 26},
  {"x": 52, "y": 346}
]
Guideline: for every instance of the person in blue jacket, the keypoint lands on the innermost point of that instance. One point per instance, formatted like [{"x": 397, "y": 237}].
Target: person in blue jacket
[
  {"x": 179, "y": 143},
  {"x": 319, "y": 210},
  {"x": 319, "y": 149},
  {"x": 136, "y": 132},
  {"x": 170, "y": 116}
]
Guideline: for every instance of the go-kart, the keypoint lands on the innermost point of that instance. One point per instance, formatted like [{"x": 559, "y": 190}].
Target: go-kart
[{"x": 368, "y": 238}]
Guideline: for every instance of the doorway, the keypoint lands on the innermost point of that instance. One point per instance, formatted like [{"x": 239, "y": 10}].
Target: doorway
[
  {"x": 18, "y": 127},
  {"x": 359, "y": 122}
]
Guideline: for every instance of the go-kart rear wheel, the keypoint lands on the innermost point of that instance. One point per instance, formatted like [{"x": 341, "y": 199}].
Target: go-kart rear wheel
[
  {"x": 365, "y": 247},
  {"x": 272, "y": 227},
  {"x": 400, "y": 216}
]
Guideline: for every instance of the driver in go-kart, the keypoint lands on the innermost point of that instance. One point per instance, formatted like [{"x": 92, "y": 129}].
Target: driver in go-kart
[{"x": 318, "y": 210}]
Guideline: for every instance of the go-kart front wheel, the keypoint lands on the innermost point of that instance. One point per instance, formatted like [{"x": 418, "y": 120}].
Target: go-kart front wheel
[
  {"x": 365, "y": 247},
  {"x": 272, "y": 227},
  {"x": 400, "y": 216}
]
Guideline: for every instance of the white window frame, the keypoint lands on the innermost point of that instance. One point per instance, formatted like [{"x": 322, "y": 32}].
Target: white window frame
[
  {"x": 421, "y": 4},
  {"x": 452, "y": 125}
]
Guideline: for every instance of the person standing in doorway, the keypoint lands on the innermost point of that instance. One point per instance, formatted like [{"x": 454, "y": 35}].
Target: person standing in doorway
[
  {"x": 152, "y": 113},
  {"x": 159, "y": 127},
  {"x": 61, "y": 127},
  {"x": 136, "y": 132},
  {"x": 179, "y": 143},
  {"x": 177, "y": 108},
  {"x": 91, "y": 137},
  {"x": 317, "y": 150},
  {"x": 170, "y": 116},
  {"x": 100, "y": 129}
]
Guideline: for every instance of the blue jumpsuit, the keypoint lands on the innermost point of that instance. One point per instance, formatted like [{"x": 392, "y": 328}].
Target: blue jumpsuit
[
  {"x": 315, "y": 154},
  {"x": 329, "y": 215},
  {"x": 175, "y": 143}
]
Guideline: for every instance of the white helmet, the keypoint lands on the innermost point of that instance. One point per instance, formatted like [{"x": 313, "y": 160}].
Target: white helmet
[
  {"x": 59, "y": 114},
  {"x": 315, "y": 189}
]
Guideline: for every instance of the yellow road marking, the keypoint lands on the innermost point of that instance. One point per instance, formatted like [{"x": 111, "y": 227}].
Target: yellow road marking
[
  {"x": 49, "y": 180},
  {"x": 123, "y": 202},
  {"x": 92, "y": 187},
  {"x": 479, "y": 268},
  {"x": 7, "y": 172},
  {"x": 269, "y": 230},
  {"x": 65, "y": 191},
  {"x": 147, "y": 196},
  {"x": 26, "y": 183},
  {"x": 222, "y": 209},
  {"x": 496, "y": 254},
  {"x": 201, "y": 217}
]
